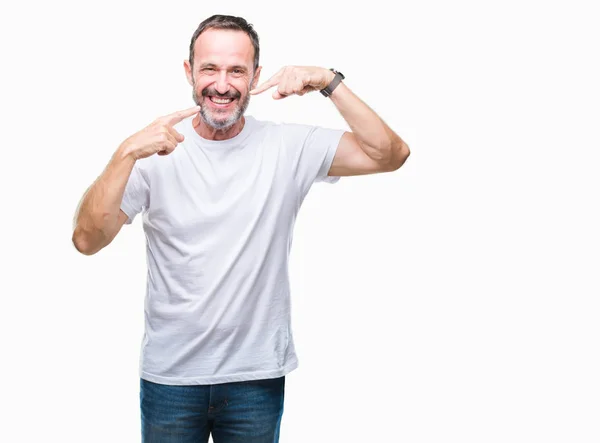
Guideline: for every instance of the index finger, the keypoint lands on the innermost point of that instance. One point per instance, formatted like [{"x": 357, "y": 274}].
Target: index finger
[
  {"x": 178, "y": 116},
  {"x": 268, "y": 84}
]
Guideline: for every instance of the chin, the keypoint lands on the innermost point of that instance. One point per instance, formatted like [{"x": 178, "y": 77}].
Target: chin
[{"x": 221, "y": 123}]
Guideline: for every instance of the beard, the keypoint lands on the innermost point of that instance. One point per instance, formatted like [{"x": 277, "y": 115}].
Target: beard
[{"x": 215, "y": 118}]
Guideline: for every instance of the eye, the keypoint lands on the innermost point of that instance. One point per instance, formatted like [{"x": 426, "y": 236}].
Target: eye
[{"x": 238, "y": 71}]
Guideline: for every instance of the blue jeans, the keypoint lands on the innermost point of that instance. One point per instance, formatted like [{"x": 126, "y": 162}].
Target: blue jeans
[{"x": 239, "y": 412}]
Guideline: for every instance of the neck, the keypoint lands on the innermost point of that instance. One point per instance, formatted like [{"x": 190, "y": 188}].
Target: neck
[{"x": 210, "y": 133}]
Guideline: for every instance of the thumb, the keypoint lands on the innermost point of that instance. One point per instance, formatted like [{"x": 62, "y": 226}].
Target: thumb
[{"x": 179, "y": 137}]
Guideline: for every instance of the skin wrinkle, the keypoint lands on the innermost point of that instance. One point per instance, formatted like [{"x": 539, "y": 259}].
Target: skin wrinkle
[{"x": 222, "y": 67}]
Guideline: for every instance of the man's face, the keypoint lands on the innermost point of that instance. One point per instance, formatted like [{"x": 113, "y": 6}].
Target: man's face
[{"x": 222, "y": 75}]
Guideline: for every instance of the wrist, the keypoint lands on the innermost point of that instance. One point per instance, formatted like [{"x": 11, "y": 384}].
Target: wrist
[
  {"x": 329, "y": 76},
  {"x": 334, "y": 78},
  {"x": 126, "y": 152}
]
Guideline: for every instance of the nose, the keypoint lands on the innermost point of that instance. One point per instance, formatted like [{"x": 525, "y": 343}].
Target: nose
[{"x": 221, "y": 84}]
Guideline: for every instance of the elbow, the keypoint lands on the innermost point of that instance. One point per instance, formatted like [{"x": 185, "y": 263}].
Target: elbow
[
  {"x": 405, "y": 152},
  {"x": 82, "y": 245},
  {"x": 399, "y": 154}
]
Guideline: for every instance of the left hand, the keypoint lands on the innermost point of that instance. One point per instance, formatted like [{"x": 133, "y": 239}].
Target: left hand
[{"x": 296, "y": 80}]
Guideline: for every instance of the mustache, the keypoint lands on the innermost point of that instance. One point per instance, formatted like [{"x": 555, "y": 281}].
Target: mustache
[{"x": 212, "y": 92}]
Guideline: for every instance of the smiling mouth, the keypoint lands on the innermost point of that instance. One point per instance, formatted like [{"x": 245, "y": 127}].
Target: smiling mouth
[{"x": 220, "y": 101}]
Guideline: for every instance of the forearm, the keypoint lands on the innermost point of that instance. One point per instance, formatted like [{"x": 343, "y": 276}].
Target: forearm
[
  {"x": 97, "y": 218},
  {"x": 375, "y": 137}
]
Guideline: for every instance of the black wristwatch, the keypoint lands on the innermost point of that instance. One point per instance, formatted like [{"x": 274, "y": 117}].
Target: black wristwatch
[{"x": 336, "y": 81}]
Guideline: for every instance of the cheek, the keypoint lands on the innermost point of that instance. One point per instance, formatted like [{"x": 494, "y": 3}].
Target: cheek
[
  {"x": 241, "y": 84},
  {"x": 201, "y": 83}
]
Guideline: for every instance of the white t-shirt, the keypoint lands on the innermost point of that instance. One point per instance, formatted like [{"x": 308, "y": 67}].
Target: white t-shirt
[{"x": 218, "y": 218}]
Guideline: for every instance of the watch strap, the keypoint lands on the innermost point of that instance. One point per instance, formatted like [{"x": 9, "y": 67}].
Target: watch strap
[{"x": 334, "y": 83}]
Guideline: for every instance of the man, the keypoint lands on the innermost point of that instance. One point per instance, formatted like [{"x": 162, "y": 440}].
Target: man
[{"x": 219, "y": 201}]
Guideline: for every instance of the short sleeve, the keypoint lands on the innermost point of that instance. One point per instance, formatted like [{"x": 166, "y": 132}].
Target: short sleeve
[
  {"x": 136, "y": 195},
  {"x": 313, "y": 150}
]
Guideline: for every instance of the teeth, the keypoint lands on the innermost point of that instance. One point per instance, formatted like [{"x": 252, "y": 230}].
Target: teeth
[{"x": 221, "y": 101}]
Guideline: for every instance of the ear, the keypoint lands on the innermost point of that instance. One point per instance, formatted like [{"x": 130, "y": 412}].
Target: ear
[
  {"x": 188, "y": 72},
  {"x": 256, "y": 78}
]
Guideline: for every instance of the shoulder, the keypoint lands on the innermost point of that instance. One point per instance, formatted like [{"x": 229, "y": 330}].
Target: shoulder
[
  {"x": 258, "y": 124},
  {"x": 143, "y": 169},
  {"x": 296, "y": 131},
  {"x": 274, "y": 124}
]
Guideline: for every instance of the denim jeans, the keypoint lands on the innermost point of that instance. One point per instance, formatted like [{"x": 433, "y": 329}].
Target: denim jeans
[{"x": 238, "y": 412}]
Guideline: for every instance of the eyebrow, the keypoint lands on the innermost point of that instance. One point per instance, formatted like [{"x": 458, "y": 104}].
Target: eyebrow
[{"x": 212, "y": 65}]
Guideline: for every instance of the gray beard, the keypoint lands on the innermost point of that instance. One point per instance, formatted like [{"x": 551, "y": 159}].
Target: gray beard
[{"x": 219, "y": 123}]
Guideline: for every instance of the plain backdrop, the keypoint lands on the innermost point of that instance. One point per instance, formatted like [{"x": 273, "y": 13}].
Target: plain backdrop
[{"x": 453, "y": 300}]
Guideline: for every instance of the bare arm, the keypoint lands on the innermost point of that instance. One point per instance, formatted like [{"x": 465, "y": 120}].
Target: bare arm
[
  {"x": 371, "y": 147},
  {"x": 99, "y": 217}
]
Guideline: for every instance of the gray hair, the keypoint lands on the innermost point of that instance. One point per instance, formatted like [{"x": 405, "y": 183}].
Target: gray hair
[{"x": 227, "y": 22}]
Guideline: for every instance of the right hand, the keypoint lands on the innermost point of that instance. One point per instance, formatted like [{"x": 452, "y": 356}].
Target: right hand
[{"x": 159, "y": 137}]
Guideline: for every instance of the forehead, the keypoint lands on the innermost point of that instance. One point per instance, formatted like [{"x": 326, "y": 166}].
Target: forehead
[{"x": 223, "y": 46}]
